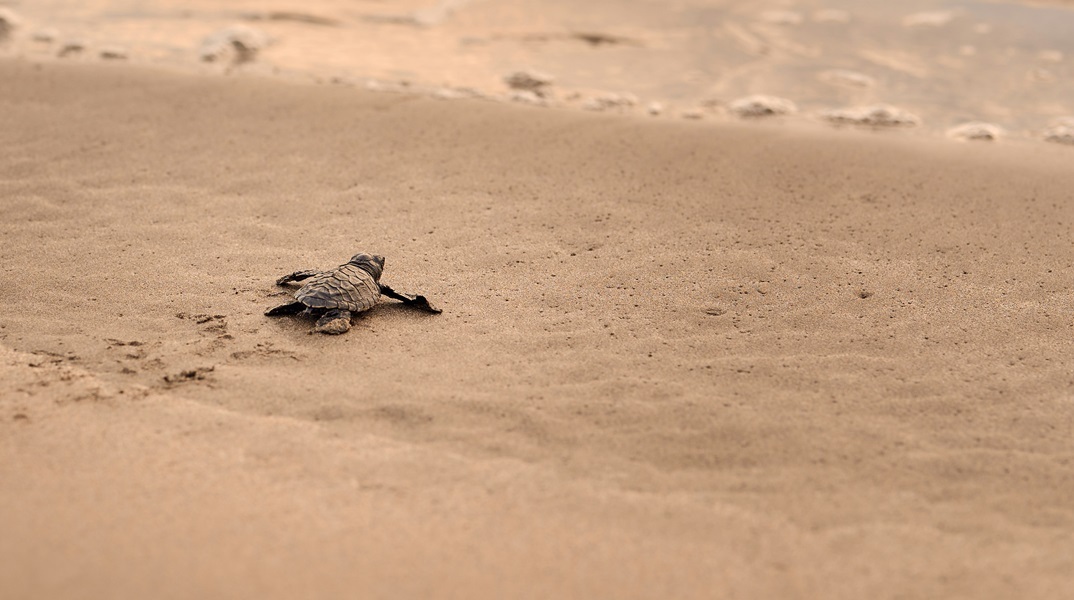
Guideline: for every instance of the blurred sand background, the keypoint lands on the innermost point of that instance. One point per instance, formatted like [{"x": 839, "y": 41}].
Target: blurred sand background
[
  {"x": 682, "y": 359},
  {"x": 947, "y": 63}
]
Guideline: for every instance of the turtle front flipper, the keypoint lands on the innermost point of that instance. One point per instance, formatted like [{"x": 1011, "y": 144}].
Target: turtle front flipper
[
  {"x": 297, "y": 276},
  {"x": 335, "y": 322},
  {"x": 418, "y": 302},
  {"x": 287, "y": 309}
]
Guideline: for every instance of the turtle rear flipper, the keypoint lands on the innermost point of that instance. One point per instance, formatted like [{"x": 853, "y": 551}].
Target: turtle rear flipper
[
  {"x": 334, "y": 322},
  {"x": 297, "y": 276},
  {"x": 418, "y": 302},
  {"x": 287, "y": 309}
]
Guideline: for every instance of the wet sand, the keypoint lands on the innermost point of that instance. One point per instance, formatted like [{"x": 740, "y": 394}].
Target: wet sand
[
  {"x": 676, "y": 359},
  {"x": 1005, "y": 64}
]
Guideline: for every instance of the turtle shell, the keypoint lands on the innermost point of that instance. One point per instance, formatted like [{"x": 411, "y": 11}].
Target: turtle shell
[{"x": 353, "y": 286}]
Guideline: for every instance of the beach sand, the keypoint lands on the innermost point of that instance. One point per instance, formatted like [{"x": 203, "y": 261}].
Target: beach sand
[
  {"x": 1007, "y": 64},
  {"x": 676, "y": 360}
]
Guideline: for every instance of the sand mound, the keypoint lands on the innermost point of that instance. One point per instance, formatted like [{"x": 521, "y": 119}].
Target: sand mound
[
  {"x": 976, "y": 131},
  {"x": 879, "y": 115},
  {"x": 762, "y": 106}
]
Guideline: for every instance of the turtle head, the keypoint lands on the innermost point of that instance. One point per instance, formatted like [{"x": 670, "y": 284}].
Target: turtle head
[{"x": 370, "y": 263}]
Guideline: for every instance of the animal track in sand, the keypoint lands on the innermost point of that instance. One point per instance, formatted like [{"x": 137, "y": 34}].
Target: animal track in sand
[
  {"x": 212, "y": 324},
  {"x": 47, "y": 357},
  {"x": 134, "y": 349},
  {"x": 134, "y": 356},
  {"x": 188, "y": 375},
  {"x": 265, "y": 350},
  {"x": 38, "y": 382},
  {"x": 212, "y": 328}
]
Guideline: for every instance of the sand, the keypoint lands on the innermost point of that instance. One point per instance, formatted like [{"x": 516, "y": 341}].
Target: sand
[
  {"x": 1003, "y": 63},
  {"x": 676, "y": 359}
]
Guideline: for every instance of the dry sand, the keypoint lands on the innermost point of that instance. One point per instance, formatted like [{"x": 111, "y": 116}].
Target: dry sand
[{"x": 676, "y": 360}]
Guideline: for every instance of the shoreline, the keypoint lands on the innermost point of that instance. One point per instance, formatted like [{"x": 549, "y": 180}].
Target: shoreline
[
  {"x": 841, "y": 89},
  {"x": 872, "y": 120}
]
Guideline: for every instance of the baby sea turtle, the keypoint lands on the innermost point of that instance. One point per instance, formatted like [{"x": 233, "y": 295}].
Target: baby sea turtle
[{"x": 333, "y": 296}]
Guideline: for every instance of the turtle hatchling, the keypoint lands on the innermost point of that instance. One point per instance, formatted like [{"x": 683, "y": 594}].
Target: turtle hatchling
[{"x": 334, "y": 296}]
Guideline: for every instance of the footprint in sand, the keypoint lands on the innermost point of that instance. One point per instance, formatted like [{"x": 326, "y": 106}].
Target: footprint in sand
[
  {"x": 212, "y": 324},
  {"x": 265, "y": 350},
  {"x": 213, "y": 328},
  {"x": 188, "y": 375},
  {"x": 134, "y": 356},
  {"x": 133, "y": 349},
  {"x": 47, "y": 357}
]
